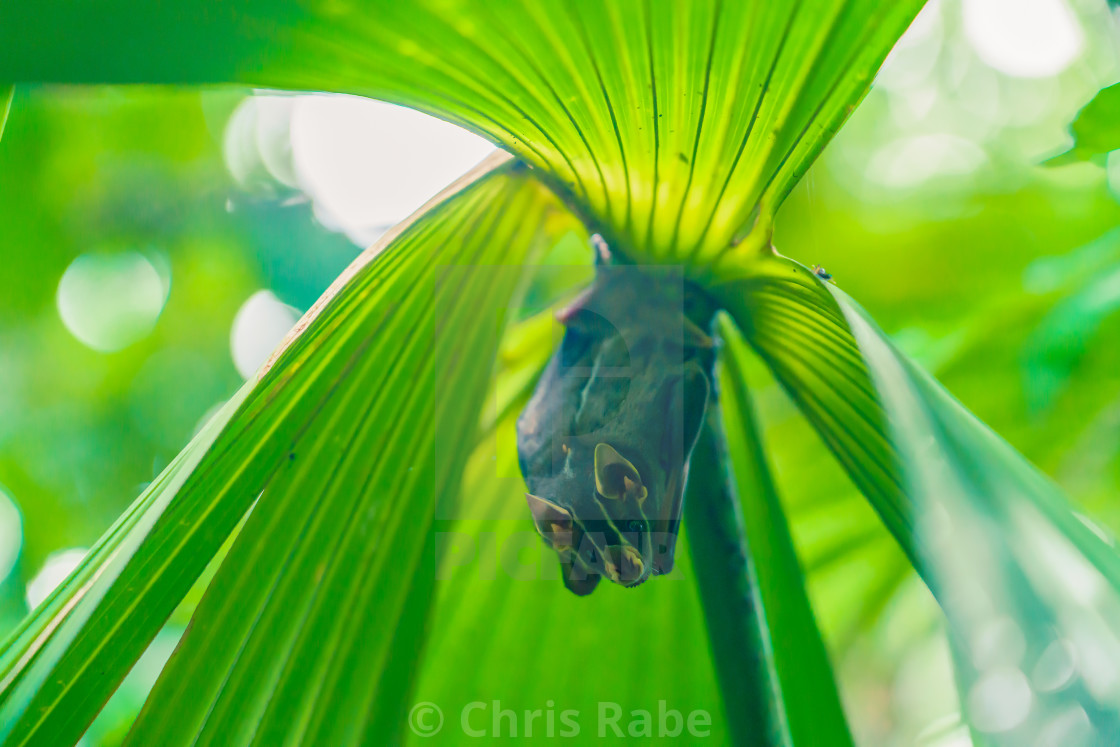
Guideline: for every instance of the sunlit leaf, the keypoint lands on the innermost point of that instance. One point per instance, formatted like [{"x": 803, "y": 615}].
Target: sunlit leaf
[
  {"x": 811, "y": 708},
  {"x": 679, "y": 127},
  {"x": 507, "y": 636},
  {"x": 1024, "y": 581},
  {"x": 6, "y": 94},
  {"x": 800, "y": 333},
  {"x": 284, "y": 435},
  {"x": 676, "y": 130},
  {"x": 1096, "y": 128},
  {"x": 731, "y": 595},
  {"x": 1088, "y": 294}
]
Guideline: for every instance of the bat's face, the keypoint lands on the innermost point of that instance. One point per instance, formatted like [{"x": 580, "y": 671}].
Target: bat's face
[
  {"x": 604, "y": 443},
  {"x": 602, "y": 518}
]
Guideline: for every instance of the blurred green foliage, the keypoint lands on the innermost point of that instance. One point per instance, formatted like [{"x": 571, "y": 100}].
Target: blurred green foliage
[
  {"x": 998, "y": 275},
  {"x": 1095, "y": 127},
  {"x": 102, "y": 172}
]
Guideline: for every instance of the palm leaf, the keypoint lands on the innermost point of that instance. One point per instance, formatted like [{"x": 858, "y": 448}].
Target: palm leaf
[
  {"x": 499, "y": 617},
  {"x": 329, "y": 479},
  {"x": 735, "y": 610},
  {"x": 6, "y": 93},
  {"x": 994, "y": 539},
  {"x": 677, "y": 127},
  {"x": 1095, "y": 130},
  {"x": 802, "y": 336},
  {"x": 504, "y": 632},
  {"x": 799, "y": 664}
]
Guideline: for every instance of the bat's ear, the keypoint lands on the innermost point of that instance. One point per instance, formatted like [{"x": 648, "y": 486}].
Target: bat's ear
[
  {"x": 616, "y": 477},
  {"x": 576, "y": 580},
  {"x": 552, "y": 521}
]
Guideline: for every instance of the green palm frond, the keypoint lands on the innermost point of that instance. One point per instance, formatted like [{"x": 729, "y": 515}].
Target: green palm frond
[
  {"x": 330, "y": 483},
  {"x": 5, "y": 104},
  {"x": 812, "y": 712},
  {"x": 801, "y": 334},
  {"x": 1094, "y": 130},
  {"x": 995, "y": 540},
  {"x": 676, "y": 127},
  {"x": 505, "y": 631},
  {"x": 368, "y": 476}
]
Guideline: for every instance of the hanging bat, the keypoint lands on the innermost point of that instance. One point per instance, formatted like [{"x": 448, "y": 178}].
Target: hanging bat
[{"x": 604, "y": 442}]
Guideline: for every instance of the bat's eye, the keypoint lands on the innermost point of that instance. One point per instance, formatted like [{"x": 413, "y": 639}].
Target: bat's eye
[{"x": 634, "y": 526}]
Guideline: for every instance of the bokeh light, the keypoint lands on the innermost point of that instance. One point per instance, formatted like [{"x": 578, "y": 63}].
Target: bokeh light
[
  {"x": 11, "y": 534},
  {"x": 910, "y": 161},
  {"x": 260, "y": 325},
  {"x": 257, "y": 144},
  {"x": 109, "y": 301},
  {"x": 57, "y": 567},
  {"x": 364, "y": 165},
  {"x": 1000, "y": 700},
  {"x": 1025, "y": 38},
  {"x": 367, "y": 165}
]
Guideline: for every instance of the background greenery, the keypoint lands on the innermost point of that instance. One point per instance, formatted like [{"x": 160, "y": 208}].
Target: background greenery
[{"x": 996, "y": 273}]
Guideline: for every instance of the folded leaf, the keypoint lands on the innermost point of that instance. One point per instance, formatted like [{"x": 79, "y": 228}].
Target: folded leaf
[
  {"x": 784, "y": 313},
  {"x": 338, "y": 433},
  {"x": 731, "y": 594},
  {"x": 312, "y": 628},
  {"x": 799, "y": 663},
  {"x": 1030, "y": 590},
  {"x": 5, "y": 104},
  {"x": 678, "y": 127},
  {"x": 1096, "y": 129},
  {"x": 506, "y": 636}
]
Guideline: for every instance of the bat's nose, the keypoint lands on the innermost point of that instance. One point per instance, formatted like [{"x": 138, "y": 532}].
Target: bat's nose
[{"x": 625, "y": 565}]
